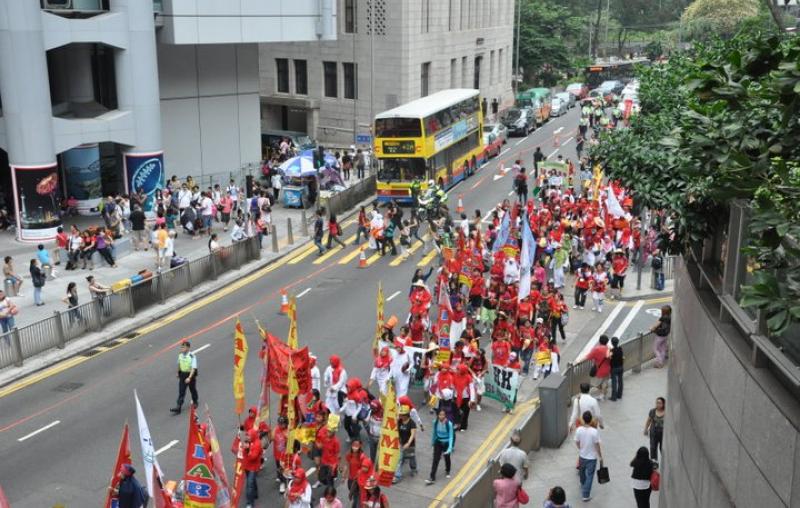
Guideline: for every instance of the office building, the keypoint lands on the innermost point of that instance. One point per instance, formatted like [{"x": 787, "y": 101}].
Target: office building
[
  {"x": 386, "y": 53},
  {"x": 107, "y": 96}
]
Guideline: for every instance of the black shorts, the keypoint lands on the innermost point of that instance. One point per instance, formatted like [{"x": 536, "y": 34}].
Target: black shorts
[{"x": 327, "y": 474}]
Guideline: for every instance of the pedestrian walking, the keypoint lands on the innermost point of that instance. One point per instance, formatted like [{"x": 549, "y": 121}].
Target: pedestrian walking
[
  {"x": 643, "y": 469},
  {"x": 516, "y": 457},
  {"x": 38, "y": 279},
  {"x": 442, "y": 439},
  {"x": 138, "y": 228},
  {"x": 407, "y": 430},
  {"x": 72, "y": 304},
  {"x": 334, "y": 231},
  {"x": 100, "y": 294},
  {"x": 583, "y": 403},
  {"x": 353, "y": 461},
  {"x": 587, "y": 440},
  {"x": 602, "y": 366},
  {"x": 298, "y": 495},
  {"x": 329, "y": 499},
  {"x": 556, "y": 498},
  {"x": 373, "y": 497},
  {"x": 361, "y": 164},
  {"x": 187, "y": 376},
  {"x": 319, "y": 231},
  {"x": 7, "y": 312},
  {"x": 654, "y": 427},
  {"x": 617, "y": 360},
  {"x": 662, "y": 329},
  {"x": 62, "y": 244},
  {"x": 10, "y": 276},
  {"x": 506, "y": 488},
  {"x": 521, "y": 186},
  {"x": 129, "y": 492},
  {"x": 251, "y": 449},
  {"x": 538, "y": 157}
]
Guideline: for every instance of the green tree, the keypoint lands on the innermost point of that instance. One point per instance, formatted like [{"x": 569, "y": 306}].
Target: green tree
[{"x": 705, "y": 19}]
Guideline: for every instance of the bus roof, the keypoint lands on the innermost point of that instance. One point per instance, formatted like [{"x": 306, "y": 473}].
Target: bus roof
[
  {"x": 600, "y": 65},
  {"x": 426, "y": 106}
]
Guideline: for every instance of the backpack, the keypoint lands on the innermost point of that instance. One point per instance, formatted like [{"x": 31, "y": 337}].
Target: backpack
[{"x": 657, "y": 262}]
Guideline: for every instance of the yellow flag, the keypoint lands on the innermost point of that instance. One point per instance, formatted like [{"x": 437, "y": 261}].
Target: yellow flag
[
  {"x": 597, "y": 179},
  {"x": 379, "y": 323},
  {"x": 294, "y": 389},
  {"x": 239, "y": 359},
  {"x": 263, "y": 399},
  {"x": 389, "y": 443},
  {"x": 292, "y": 339}
]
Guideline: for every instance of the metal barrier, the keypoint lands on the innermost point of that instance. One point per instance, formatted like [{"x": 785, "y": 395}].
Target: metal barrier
[
  {"x": 63, "y": 326},
  {"x": 350, "y": 197}
]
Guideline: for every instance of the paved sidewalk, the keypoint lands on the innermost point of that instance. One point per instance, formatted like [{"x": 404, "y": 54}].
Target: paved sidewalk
[{"x": 622, "y": 436}]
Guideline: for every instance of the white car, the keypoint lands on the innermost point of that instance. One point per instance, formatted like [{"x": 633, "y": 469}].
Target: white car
[
  {"x": 498, "y": 130},
  {"x": 566, "y": 97},
  {"x": 558, "y": 107}
]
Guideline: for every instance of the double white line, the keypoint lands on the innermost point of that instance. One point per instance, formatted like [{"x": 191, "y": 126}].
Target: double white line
[{"x": 607, "y": 323}]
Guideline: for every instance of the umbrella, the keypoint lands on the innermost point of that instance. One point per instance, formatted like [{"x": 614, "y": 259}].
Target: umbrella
[
  {"x": 327, "y": 157},
  {"x": 297, "y": 167}
]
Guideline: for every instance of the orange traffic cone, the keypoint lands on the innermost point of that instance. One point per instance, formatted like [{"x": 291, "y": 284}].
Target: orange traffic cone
[
  {"x": 460, "y": 207},
  {"x": 284, "y": 302},
  {"x": 362, "y": 258}
]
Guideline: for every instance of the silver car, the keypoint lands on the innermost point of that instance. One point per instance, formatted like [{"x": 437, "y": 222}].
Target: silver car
[
  {"x": 498, "y": 130},
  {"x": 566, "y": 97},
  {"x": 558, "y": 107}
]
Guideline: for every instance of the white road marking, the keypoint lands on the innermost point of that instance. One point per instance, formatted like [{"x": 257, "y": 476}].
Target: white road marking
[
  {"x": 167, "y": 446},
  {"x": 497, "y": 177},
  {"x": 568, "y": 140},
  {"x": 520, "y": 141},
  {"x": 35, "y": 432},
  {"x": 627, "y": 322},
  {"x": 202, "y": 348},
  {"x": 558, "y": 130},
  {"x": 600, "y": 331},
  {"x": 504, "y": 151},
  {"x": 511, "y": 193},
  {"x": 552, "y": 154},
  {"x": 394, "y": 295},
  {"x": 304, "y": 293}
]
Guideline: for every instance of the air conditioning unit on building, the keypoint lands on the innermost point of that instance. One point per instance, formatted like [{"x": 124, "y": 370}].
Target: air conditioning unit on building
[{"x": 57, "y": 4}]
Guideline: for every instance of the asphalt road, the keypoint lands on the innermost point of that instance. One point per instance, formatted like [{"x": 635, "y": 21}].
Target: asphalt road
[{"x": 84, "y": 407}]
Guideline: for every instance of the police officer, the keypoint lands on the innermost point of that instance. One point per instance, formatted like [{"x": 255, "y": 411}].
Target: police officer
[
  {"x": 187, "y": 376},
  {"x": 416, "y": 185}
]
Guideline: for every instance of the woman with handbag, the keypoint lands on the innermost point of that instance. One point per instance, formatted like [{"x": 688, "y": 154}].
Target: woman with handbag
[
  {"x": 654, "y": 427},
  {"x": 334, "y": 231},
  {"x": 507, "y": 488},
  {"x": 662, "y": 329},
  {"x": 643, "y": 472}
]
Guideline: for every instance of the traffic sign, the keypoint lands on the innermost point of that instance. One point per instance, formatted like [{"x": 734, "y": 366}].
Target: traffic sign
[{"x": 363, "y": 139}]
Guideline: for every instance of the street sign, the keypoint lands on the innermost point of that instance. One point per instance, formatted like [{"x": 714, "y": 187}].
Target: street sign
[{"x": 363, "y": 139}]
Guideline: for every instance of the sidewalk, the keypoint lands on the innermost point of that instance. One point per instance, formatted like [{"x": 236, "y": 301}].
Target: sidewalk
[{"x": 622, "y": 436}]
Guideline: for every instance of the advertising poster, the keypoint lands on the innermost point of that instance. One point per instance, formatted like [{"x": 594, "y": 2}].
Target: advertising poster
[
  {"x": 82, "y": 173},
  {"x": 145, "y": 172},
  {"x": 38, "y": 197}
]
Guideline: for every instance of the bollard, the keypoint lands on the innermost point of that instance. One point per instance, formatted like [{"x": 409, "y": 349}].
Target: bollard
[
  {"x": 303, "y": 222},
  {"x": 189, "y": 284},
  {"x": 640, "y": 360},
  {"x": 289, "y": 235},
  {"x": 17, "y": 346},
  {"x": 160, "y": 281},
  {"x": 62, "y": 339},
  {"x": 274, "y": 232}
]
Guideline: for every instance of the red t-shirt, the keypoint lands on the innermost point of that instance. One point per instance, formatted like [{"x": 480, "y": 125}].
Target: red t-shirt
[
  {"x": 354, "y": 463},
  {"x": 330, "y": 451},
  {"x": 599, "y": 355},
  {"x": 620, "y": 265},
  {"x": 501, "y": 350}
]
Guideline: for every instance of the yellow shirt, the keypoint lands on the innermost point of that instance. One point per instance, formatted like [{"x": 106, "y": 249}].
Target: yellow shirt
[{"x": 162, "y": 236}]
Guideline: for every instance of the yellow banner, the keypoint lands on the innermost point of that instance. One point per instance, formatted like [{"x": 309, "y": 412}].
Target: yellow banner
[
  {"x": 294, "y": 390},
  {"x": 239, "y": 359},
  {"x": 380, "y": 320},
  {"x": 389, "y": 444},
  {"x": 263, "y": 398},
  {"x": 292, "y": 340},
  {"x": 597, "y": 180}
]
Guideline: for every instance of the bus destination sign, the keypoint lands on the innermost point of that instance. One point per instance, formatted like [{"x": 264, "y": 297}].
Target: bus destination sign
[{"x": 398, "y": 147}]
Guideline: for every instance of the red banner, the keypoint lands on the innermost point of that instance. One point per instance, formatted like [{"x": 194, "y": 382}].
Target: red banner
[
  {"x": 199, "y": 486},
  {"x": 279, "y": 354},
  {"x": 238, "y": 478},
  {"x": 123, "y": 457},
  {"x": 162, "y": 497}
]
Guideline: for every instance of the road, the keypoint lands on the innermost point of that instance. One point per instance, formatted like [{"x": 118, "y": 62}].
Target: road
[{"x": 58, "y": 435}]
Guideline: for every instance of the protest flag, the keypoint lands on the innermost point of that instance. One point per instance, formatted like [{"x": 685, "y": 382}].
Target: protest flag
[
  {"x": 239, "y": 359},
  {"x": 123, "y": 457}
]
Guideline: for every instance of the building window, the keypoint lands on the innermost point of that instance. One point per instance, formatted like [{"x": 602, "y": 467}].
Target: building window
[
  {"x": 477, "y": 77},
  {"x": 349, "y": 16},
  {"x": 425, "y": 77},
  {"x": 331, "y": 78},
  {"x": 492, "y": 78},
  {"x": 300, "y": 77},
  {"x": 426, "y": 16},
  {"x": 282, "y": 72},
  {"x": 464, "y": 15},
  {"x": 453, "y": 65},
  {"x": 450, "y": 15},
  {"x": 350, "y": 80},
  {"x": 500, "y": 76},
  {"x": 464, "y": 72}
]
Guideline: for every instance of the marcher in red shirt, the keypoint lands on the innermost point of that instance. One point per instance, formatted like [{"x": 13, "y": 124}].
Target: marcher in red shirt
[
  {"x": 330, "y": 459},
  {"x": 353, "y": 460},
  {"x": 251, "y": 463},
  {"x": 501, "y": 350},
  {"x": 620, "y": 266},
  {"x": 600, "y": 357}
]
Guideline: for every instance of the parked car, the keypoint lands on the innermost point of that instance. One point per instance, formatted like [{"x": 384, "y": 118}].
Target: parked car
[
  {"x": 614, "y": 86},
  {"x": 579, "y": 90},
  {"x": 498, "y": 129},
  {"x": 558, "y": 107},
  {"x": 519, "y": 121},
  {"x": 493, "y": 145},
  {"x": 568, "y": 98}
]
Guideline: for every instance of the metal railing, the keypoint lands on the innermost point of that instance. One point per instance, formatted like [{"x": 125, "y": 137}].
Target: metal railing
[
  {"x": 21, "y": 343},
  {"x": 347, "y": 199}
]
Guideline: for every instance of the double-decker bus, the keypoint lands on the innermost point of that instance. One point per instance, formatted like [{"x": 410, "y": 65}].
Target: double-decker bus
[
  {"x": 438, "y": 137},
  {"x": 622, "y": 70}
]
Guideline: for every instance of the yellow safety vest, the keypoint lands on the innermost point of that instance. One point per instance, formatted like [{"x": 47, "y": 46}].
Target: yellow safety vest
[{"x": 185, "y": 362}]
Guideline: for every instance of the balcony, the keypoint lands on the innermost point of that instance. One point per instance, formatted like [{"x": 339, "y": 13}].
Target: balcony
[{"x": 75, "y": 9}]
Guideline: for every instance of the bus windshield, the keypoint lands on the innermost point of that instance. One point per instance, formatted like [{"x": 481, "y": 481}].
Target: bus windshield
[
  {"x": 402, "y": 169},
  {"x": 398, "y": 128}
]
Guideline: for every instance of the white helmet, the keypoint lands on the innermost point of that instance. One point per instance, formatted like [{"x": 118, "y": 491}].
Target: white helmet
[{"x": 431, "y": 183}]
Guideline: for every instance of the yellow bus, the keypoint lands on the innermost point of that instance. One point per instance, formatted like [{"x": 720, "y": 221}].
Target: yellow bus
[{"x": 438, "y": 137}]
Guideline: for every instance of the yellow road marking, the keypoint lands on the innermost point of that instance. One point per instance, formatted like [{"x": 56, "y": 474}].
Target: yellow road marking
[
  {"x": 350, "y": 256},
  {"x": 373, "y": 258},
  {"x": 411, "y": 250},
  {"x": 334, "y": 250},
  {"x": 303, "y": 254},
  {"x": 479, "y": 456},
  {"x": 428, "y": 258}
]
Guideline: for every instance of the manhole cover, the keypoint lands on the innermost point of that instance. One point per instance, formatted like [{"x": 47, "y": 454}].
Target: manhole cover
[{"x": 67, "y": 387}]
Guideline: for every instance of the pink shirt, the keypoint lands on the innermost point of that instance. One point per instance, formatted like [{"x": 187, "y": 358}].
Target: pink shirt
[
  {"x": 505, "y": 493},
  {"x": 335, "y": 504}
]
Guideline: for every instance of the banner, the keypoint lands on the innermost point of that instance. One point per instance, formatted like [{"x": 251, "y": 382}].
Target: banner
[
  {"x": 148, "y": 449},
  {"x": 502, "y": 384},
  {"x": 238, "y": 477},
  {"x": 279, "y": 354},
  {"x": 263, "y": 398},
  {"x": 443, "y": 323},
  {"x": 145, "y": 173},
  {"x": 292, "y": 340},
  {"x": 223, "y": 490},
  {"x": 379, "y": 319},
  {"x": 36, "y": 191},
  {"x": 199, "y": 486},
  {"x": 389, "y": 445},
  {"x": 162, "y": 499},
  {"x": 123, "y": 457},
  {"x": 3, "y": 500},
  {"x": 239, "y": 359}
]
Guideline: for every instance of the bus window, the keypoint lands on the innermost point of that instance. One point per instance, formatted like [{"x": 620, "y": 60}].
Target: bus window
[
  {"x": 397, "y": 128},
  {"x": 403, "y": 169}
]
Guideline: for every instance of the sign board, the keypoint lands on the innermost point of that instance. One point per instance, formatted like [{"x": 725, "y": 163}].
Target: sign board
[
  {"x": 363, "y": 139},
  {"x": 502, "y": 384}
]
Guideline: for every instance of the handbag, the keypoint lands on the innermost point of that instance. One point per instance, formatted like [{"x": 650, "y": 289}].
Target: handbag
[
  {"x": 602, "y": 474},
  {"x": 594, "y": 368},
  {"x": 655, "y": 480},
  {"x": 564, "y": 319},
  {"x": 522, "y": 496}
]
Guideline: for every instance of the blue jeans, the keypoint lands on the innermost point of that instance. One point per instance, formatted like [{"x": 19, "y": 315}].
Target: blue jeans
[
  {"x": 251, "y": 487},
  {"x": 318, "y": 243},
  {"x": 37, "y": 296},
  {"x": 616, "y": 383},
  {"x": 410, "y": 455},
  {"x": 586, "y": 469}
]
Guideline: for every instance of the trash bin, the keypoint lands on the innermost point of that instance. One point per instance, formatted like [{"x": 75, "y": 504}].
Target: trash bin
[{"x": 554, "y": 397}]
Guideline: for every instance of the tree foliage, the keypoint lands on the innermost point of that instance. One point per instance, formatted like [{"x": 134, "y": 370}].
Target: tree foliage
[
  {"x": 719, "y": 124},
  {"x": 707, "y": 18}
]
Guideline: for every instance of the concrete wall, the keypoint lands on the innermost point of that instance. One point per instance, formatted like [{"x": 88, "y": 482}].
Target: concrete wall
[
  {"x": 731, "y": 436},
  {"x": 209, "y": 107}
]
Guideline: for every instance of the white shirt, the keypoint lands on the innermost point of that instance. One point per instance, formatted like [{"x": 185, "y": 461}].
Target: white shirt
[
  {"x": 170, "y": 248},
  {"x": 305, "y": 499},
  {"x": 380, "y": 376},
  {"x": 184, "y": 198},
  {"x": 207, "y": 204},
  {"x": 315, "y": 378},
  {"x": 587, "y": 439},
  {"x": 585, "y": 402}
]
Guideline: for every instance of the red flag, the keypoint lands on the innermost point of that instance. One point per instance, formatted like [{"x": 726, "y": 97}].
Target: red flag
[
  {"x": 3, "y": 500},
  {"x": 279, "y": 354},
  {"x": 238, "y": 478},
  {"x": 123, "y": 457},
  {"x": 162, "y": 497},
  {"x": 223, "y": 496},
  {"x": 199, "y": 487}
]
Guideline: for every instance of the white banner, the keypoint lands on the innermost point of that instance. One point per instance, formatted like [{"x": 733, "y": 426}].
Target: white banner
[
  {"x": 502, "y": 384},
  {"x": 148, "y": 450}
]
